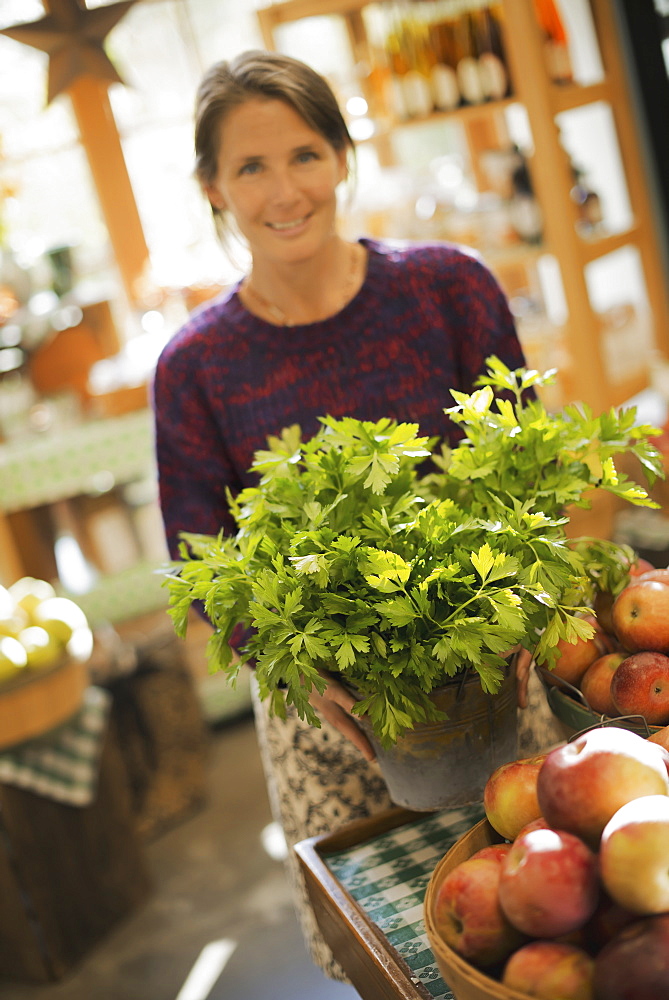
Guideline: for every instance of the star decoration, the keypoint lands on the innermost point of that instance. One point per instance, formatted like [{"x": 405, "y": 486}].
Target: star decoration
[{"x": 72, "y": 36}]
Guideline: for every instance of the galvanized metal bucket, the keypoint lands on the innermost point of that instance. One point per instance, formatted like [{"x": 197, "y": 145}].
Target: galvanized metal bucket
[{"x": 446, "y": 764}]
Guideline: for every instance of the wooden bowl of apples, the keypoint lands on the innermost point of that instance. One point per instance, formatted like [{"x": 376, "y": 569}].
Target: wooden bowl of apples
[
  {"x": 466, "y": 981},
  {"x": 563, "y": 890},
  {"x": 45, "y": 643}
]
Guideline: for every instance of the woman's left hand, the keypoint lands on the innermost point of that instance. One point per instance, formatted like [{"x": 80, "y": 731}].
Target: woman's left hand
[
  {"x": 524, "y": 663},
  {"x": 335, "y": 705}
]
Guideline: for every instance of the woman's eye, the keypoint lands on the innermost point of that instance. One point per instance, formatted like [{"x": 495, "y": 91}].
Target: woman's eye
[
  {"x": 307, "y": 156},
  {"x": 250, "y": 168}
]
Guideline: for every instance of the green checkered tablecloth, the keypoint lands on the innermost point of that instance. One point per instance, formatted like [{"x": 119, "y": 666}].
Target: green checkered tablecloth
[
  {"x": 42, "y": 469},
  {"x": 388, "y": 876},
  {"x": 63, "y": 764}
]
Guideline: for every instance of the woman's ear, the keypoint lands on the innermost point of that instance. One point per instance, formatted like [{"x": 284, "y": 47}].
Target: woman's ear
[{"x": 216, "y": 199}]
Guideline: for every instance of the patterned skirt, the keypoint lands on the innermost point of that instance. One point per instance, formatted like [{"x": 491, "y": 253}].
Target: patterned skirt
[{"x": 317, "y": 781}]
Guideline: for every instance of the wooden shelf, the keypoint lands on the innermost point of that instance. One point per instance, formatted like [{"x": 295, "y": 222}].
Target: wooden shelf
[
  {"x": 566, "y": 97},
  {"x": 584, "y": 375},
  {"x": 295, "y": 10},
  {"x": 594, "y": 247},
  {"x": 462, "y": 114}
]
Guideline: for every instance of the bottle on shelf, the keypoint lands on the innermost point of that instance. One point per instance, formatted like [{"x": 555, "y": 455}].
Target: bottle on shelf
[
  {"x": 398, "y": 67},
  {"x": 468, "y": 68},
  {"x": 491, "y": 56},
  {"x": 409, "y": 58},
  {"x": 442, "y": 56},
  {"x": 556, "y": 41},
  {"x": 443, "y": 77},
  {"x": 416, "y": 80}
]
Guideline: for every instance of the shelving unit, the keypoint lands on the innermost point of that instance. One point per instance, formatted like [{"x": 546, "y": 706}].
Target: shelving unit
[{"x": 605, "y": 351}]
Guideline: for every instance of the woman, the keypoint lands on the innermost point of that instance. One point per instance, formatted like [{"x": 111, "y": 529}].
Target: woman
[{"x": 318, "y": 326}]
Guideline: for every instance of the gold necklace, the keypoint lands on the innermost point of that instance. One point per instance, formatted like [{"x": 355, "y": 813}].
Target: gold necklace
[{"x": 280, "y": 317}]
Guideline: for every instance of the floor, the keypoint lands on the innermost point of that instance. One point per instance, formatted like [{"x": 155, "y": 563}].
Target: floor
[{"x": 219, "y": 924}]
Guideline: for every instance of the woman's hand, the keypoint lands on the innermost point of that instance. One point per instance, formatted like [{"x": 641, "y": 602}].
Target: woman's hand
[
  {"x": 524, "y": 663},
  {"x": 334, "y": 706}
]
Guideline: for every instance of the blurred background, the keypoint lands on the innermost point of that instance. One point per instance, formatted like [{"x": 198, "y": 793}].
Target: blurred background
[{"x": 535, "y": 131}]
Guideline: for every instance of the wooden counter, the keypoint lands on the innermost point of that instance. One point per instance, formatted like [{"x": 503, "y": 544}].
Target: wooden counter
[{"x": 367, "y": 882}]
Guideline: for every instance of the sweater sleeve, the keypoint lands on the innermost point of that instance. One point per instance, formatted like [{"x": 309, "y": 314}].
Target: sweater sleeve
[
  {"x": 194, "y": 468},
  {"x": 491, "y": 328}
]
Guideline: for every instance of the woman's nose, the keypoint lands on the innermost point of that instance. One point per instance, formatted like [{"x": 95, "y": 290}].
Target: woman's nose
[{"x": 284, "y": 188}]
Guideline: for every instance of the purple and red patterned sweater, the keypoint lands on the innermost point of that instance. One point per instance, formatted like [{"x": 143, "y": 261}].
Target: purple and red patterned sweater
[{"x": 424, "y": 321}]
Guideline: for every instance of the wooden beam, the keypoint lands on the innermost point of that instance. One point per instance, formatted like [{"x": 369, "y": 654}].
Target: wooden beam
[{"x": 100, "y": 139}]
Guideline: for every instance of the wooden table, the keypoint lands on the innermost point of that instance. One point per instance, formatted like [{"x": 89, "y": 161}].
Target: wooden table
[
  {"x": 68, "y": 874},
  {"x": 366, "y": 883}
]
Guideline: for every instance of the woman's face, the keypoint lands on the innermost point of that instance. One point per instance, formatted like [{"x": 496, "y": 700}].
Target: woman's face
[{"x": 278, "y": 178}]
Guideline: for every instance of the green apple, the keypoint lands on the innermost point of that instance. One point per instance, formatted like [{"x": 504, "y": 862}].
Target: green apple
[
  {"x": 60, "y": 616},
  {"x": 28, "y": 592},
  {"x": 12, "y": 617},
  {"x": 13, "y": 657},
  {"x": 42, "y": 649},
  {"x": 80, "y": 646}
]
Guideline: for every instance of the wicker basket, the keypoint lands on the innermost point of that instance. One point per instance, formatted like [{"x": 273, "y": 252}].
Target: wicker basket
[
  {"x": 466, "y": 982},
  {"x": 37, "y": 702}
]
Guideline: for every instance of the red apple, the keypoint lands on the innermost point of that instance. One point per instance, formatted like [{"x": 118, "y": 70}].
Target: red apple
[
  {"x": 583, "y": 783},
  {"x": 602, "y": 606},
  {"x": 608, "y": 920},
  {"x": 536, "y": 824},
  {"x": 573, "y": 659},
  {"x": 596, "y": 683},
  {"x": 548, "y": 884},
  {"x": 663, "y": 751},
  {"x": 640, "y": 686},
  {"x": 495, "y": 851},
  {"x": 635, "y": 964},
  {"x": 510, "y": 795},
  {"x": 661, "y": 737},
  {"x": 605, "y": 638},
  {"x": 640, "y": 566},
  {"x": 603, "y": 602},
  {"x": 634, "y": 855},
  {"x": 660, "y": 574},
  {"x": 468, "y": 916},
  {"x": 641, "y": 616},
  {"x": 549, "y": 969}
]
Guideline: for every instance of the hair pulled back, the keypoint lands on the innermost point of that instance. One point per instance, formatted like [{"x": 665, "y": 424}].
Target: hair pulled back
[{"x": 267, "y": 75}]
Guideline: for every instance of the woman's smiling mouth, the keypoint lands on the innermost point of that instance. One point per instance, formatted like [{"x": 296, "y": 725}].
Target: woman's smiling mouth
[{"x": 293, "y": 224}]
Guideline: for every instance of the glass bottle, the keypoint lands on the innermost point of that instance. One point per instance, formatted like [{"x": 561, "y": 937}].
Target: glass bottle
[
  {"x": 398, "y": 67},
  {"x": 416, "y": 80},
  {"x": 556, "y": 41},
  {"x": 491, "y": 55},
  {"x": 443, "y": 78},
  {"x": 467, "y": 67}
]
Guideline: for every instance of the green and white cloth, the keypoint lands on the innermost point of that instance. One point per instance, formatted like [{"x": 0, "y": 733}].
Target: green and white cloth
[
  {"x": 388, "y": 877},
  {"x": 63, "y": 764}
]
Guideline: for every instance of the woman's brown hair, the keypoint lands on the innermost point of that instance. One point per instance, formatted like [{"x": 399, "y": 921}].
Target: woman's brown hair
[{"x": 268, "y": 75}]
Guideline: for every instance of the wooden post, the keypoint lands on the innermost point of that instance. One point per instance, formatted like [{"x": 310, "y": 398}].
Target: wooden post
[
  {"x": 100, "y": 138},
  {"x": 73, "y": 35},
  {"x": 586, "y": 379}
]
